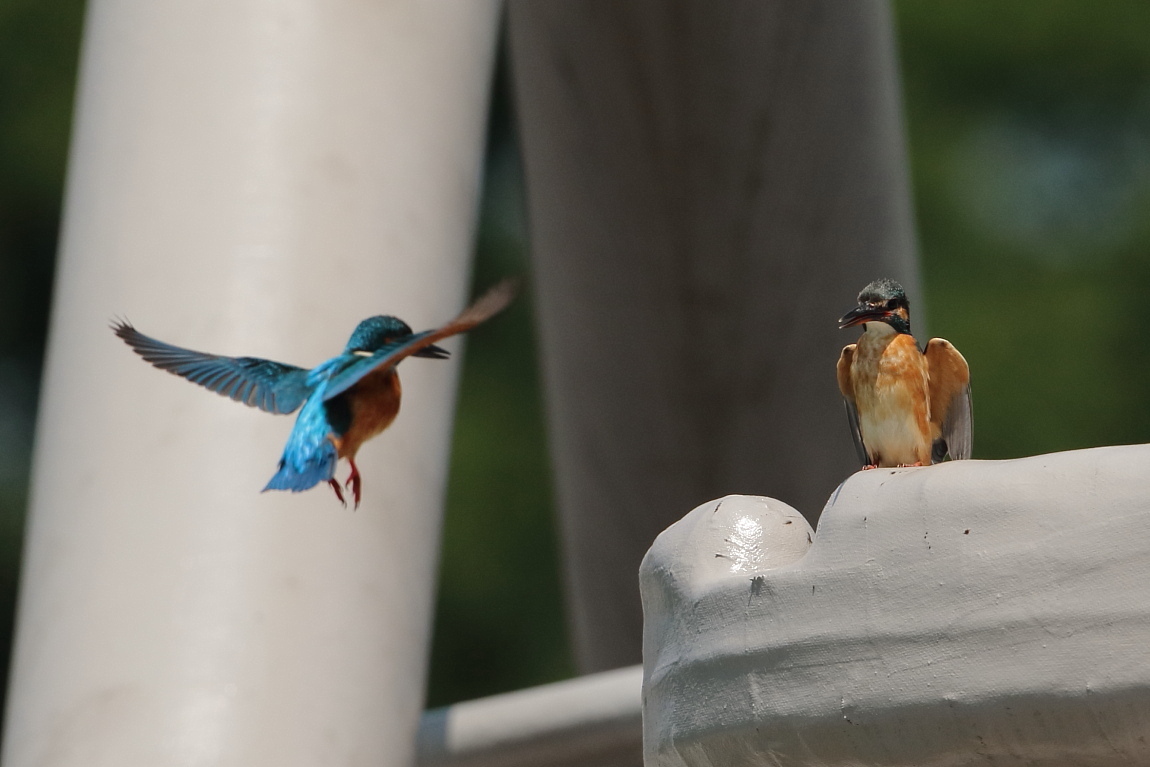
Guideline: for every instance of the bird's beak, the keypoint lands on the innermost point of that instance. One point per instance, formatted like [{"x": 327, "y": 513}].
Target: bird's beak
[
  {"x": 860, "y": 314},
  {"x": 434, "y": 352}
]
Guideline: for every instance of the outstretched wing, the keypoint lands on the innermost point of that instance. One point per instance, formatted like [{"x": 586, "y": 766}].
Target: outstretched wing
[
  {"x": 488, "y": 305},
  {"x": 951, "y": 416},
  {"x": 844, "y": 376},
  {"x": 270, "y": 386}
]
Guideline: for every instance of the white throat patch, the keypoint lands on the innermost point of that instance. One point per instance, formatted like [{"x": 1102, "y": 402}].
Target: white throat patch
[{"x": 879, "y": 328}]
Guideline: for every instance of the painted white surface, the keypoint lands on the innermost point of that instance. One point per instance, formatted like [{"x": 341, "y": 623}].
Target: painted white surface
[
  {"x": 969, "y": 613},
  {"x": 247, "y": 177},
  {"x": 589, "y": 721}
]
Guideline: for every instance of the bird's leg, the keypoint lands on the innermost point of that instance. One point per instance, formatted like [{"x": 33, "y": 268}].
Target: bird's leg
[
  {"x": 353, "y": 481},
  {"x": 870, "y": 466},
  {"x": 338, "y": 493}
]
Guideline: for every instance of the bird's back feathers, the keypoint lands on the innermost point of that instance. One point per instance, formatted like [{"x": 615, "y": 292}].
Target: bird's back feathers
[{"x": 309, "y": 456}]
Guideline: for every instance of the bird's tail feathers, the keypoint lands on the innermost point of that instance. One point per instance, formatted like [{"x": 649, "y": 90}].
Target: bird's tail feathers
[{"x": 298, "y": 473}]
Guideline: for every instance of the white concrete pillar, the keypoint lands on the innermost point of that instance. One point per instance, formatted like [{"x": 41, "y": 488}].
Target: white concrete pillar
[
  {"x": 710, "y": 183},
  {"x": 247, "y": 177},
  {"x": 969, "y": 613}
]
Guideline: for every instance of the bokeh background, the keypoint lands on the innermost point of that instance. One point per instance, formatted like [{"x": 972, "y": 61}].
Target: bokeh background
[{"x": 1029, "y": 132}]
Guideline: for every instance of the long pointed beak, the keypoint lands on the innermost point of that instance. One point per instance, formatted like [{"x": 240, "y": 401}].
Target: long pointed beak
[
  {"x": 860, "y": 314},
  {"x": 434, "y": 352}
]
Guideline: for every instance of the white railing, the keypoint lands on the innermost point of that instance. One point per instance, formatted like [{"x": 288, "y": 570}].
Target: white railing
[{"x": 592, "y": 721}]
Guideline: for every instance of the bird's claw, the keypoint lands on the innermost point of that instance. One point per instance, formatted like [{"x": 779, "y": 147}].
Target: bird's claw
[
  {"x": 354, "y": 483},
  {"x": 338, "y": 492}
]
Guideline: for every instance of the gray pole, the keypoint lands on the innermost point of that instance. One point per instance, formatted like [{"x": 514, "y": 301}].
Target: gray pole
[
  {"x": 246, "y": 178},
  {"x": 710, "y": 183}
]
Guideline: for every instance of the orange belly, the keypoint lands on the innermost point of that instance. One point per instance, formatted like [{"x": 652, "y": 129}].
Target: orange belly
[
  {"x": 374, "y": 403},
  {"x": 890, "y": 387}
]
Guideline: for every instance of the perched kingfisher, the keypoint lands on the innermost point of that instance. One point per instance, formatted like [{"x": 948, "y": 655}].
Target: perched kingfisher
[
  {"x": 906, "y": 407},
  {"x": 346, "y": 400}
]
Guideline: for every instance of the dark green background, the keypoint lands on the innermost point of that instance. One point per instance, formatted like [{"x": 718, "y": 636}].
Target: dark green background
[{"x": 1029, "y": 127}]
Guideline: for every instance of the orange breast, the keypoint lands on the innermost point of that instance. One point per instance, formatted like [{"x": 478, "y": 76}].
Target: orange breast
[
  {"x": 374, "y": 403},
  {"x": 889, "y": 378}
]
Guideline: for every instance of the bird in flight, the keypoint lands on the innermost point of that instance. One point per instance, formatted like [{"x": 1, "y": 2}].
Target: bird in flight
[
  {"x": 343, "y": 402},
  {"x": 906, "y": 407}
]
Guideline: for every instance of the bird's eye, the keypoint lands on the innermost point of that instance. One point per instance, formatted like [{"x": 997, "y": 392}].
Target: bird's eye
[{"x": 892, "y": 304}]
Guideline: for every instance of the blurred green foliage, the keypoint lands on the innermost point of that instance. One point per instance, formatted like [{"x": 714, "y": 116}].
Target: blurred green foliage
[
  {"x": 499, "y": 622},
  {"x": 1029, "y": 130}
]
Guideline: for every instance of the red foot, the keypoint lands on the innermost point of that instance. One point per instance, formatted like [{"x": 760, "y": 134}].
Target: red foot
[
  {"x": 353, "y": 481},
  {"x": 338, "y": 493},
  {"x": 870, "y": 466},
  {"x": 908, "y": 465}
]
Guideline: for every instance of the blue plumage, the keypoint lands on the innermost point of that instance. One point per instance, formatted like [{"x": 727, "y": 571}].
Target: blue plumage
[
  {"x": 329, "y": 393},
  {"x": 390, "y": 352},
  {"x": 309, "y": 456},
  {"x": 271, "y": 386}
]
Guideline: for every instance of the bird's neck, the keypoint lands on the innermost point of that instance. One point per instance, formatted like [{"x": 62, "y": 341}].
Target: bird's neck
[
  {"x": 893, "y": 325},
  {"x": 876, "y": 337}
]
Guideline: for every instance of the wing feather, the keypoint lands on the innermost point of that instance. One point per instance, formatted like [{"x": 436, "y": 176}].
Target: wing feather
[
  {"x": 271, "y": 386},
  {"x": 488, "y": 305},
  {"x": 844, "y": 377},
  {"x": 951, "y": 412}
]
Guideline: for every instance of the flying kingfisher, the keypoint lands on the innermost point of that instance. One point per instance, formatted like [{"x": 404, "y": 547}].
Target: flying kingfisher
[
  {"x": 906, "y": 407},
  {"x": 345, "y": 401}
]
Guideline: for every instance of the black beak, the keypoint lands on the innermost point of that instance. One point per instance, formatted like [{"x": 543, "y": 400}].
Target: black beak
[
  {"x": 860, "y": 314},
  {"x": 434, "y": 352}
]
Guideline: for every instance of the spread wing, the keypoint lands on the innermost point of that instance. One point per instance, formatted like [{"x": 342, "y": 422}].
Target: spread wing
[
  {"x": 844, "y": 376},
  {"x": 486, "y": 306},
  {"x": 951, "y": 416},
  {"x": 271, "y": 386}
]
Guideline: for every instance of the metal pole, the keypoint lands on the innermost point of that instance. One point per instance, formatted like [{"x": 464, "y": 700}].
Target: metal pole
[
  {"x": 249, "y": 177},
  {"x": 592, "y": 721}
]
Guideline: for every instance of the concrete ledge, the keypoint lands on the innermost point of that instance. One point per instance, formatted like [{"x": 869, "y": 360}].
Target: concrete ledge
[{"x": 970, "y": 613}]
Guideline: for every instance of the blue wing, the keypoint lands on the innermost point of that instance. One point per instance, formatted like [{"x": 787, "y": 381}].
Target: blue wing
[
  {"x": 271, "y": 386},
  {"x": 309, "y": 456},
  {"x": 492, "y": 302}
]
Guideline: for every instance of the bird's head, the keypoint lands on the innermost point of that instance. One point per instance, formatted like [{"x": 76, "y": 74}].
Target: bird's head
[
  {"x": 883, "y": 301},
  {"x": 375, "y": 333}
]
